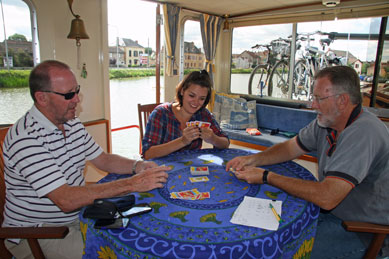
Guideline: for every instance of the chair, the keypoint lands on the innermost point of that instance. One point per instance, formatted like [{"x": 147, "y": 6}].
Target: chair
[
  {"x": 144, "y": 113},
  {"x": 379, "y": 231},
  {"x": 32, "y": 234}
]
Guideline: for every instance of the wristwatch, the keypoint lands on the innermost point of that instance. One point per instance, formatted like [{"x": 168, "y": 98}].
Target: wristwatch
[
  {"x": 264, "y": 177},
  {"x": 134, "y": 166}
]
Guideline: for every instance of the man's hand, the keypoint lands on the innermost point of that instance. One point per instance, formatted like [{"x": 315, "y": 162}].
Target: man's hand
[
  {"x": 251, "y": 175},
  {"x": 148, "y": 179},
  {"x": 143, "y": 165},
  {"x": 239, "y": 163}
]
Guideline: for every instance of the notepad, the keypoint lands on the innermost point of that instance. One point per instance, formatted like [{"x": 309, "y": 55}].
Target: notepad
[{"x": 255, "y": 212}]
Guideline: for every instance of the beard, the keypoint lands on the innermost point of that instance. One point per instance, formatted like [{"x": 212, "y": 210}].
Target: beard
[{"x": 328, "y": 120}]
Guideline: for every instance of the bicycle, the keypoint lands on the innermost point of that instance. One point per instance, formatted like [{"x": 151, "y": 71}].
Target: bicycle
[
  {"x": 313, "y": 60},
  {"x": 277, "y": 51}
]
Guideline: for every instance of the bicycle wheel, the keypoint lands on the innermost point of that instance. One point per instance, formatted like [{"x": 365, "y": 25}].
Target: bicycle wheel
[
  {"x": 278, "y": 81},
  {"x": 302, "y": 80},
  {"x": 257, "y": 80}
]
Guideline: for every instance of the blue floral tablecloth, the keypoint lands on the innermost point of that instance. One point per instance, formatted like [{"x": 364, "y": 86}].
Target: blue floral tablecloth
[{"x": 201, "y": 228}]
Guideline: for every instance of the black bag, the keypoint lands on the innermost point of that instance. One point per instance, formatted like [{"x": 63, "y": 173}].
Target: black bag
[{"x": 109, "y": 208}]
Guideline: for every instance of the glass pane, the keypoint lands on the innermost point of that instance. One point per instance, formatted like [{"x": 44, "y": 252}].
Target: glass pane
[
  {"x": 256, "y": 50},
  {"x": 351, "y": 42},
  {"x": 194, "y": 57}
]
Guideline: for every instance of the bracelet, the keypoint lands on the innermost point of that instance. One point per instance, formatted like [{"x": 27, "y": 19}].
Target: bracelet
[
  {"x": 134, "y": 166},
  {"x": 264, "y": 177}
]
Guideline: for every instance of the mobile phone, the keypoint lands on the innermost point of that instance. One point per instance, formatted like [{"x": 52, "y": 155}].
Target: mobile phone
[
  {"x": 137, "y": 209},
  {"x": 112, "y": 223}
]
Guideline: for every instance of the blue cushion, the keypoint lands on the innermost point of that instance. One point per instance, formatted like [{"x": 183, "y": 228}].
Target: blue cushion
[
  {"x": 237, "y": 113},
  {"x": 283, "y": 118}
]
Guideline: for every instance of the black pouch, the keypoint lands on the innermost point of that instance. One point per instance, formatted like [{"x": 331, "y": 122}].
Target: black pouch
[{"x": 109, "y": 208}]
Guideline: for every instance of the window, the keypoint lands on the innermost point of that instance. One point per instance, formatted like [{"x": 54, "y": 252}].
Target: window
[
  {"x": 129, "y": 53},
  {"x": 20, "y": 23},
  {"x": 135, "y": 53},
  {"x": 191, "y": 46},
  {"x": 351, "y": 42}
]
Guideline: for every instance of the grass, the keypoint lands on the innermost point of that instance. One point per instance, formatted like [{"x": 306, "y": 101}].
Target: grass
[{"x": 19, "y": 78}]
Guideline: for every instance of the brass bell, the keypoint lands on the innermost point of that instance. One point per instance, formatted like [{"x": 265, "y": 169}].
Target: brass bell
[{"x": 77, "y": 29}]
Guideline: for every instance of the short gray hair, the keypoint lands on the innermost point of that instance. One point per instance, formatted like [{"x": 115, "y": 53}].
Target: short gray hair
[{"x": 344, "y": 79}]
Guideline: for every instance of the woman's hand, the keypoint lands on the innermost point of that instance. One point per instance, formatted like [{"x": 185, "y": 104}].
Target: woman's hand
[
  {"x": 207, "y": 135},
  {"x": 189, "y": 134}
]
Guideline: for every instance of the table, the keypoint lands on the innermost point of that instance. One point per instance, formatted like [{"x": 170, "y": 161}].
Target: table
[{"x": 201, "y": 228}]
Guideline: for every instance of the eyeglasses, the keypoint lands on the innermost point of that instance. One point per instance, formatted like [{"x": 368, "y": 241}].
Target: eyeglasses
[
  {"x": 67, "y": 96},
  {"x": 320, "y": 99}
]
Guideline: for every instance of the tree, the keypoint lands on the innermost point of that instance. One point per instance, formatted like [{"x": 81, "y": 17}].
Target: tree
[
  {"x": 148, "y": 51},
  {"x": 17, "y": 37}
]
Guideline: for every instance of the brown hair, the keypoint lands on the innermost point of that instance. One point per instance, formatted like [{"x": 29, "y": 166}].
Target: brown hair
[{"x": 200, "y": 78}]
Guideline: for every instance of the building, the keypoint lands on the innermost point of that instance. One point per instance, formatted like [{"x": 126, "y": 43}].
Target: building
[
  {"x": 194, "y": 58},
  {"x": 357, "y": 65},
  {"x": 132, "y": 52},
  {"x": 248, "y": 59},
  {"x": 116, "y": 53}
]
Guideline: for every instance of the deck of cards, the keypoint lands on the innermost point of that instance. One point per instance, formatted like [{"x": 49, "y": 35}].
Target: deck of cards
[
  {"x": 193, "y": 194},
  {"x": 200, "y": 124},
  {"x": 199, "y": 170}
]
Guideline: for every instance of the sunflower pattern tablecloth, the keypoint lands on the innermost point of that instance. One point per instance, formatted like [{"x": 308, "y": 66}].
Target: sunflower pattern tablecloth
[{"x": 201, "y": 228}]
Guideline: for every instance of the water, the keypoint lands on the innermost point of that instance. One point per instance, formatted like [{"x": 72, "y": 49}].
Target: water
[{"x": 125, "y": 96}]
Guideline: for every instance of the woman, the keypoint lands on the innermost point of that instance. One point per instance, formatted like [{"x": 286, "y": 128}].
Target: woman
[{"x": 167, "y": 129}]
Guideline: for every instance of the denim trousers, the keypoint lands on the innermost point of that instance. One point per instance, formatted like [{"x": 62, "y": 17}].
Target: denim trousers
[{"x": 333, "y": 241}]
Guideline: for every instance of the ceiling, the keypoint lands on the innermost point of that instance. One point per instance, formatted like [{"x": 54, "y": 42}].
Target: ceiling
[{"x": 249, "y": 8}]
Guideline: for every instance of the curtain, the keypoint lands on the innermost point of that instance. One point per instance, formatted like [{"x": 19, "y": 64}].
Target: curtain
[
  {"x": 210, "y": 30},
  {"x": 171, "y": 14}
]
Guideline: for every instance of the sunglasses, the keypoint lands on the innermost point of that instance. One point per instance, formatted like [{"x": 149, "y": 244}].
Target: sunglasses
[{"x": 67, "y": 96}]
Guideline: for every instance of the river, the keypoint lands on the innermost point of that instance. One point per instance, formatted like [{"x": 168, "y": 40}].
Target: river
[{"x": 125, "y": 95}]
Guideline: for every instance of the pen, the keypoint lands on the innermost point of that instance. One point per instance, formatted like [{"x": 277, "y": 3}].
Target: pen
[{"x": 275, "y": 213}]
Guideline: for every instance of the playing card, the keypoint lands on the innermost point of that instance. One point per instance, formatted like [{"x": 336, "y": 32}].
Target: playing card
[
  {"x": 199, "y": 179},
  {"x": 204, "y": 124},
  {"x": 199, "y": 170}
]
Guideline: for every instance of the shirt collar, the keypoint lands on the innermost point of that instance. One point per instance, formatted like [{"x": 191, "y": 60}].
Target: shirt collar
[{"x": 42, "y": 119}]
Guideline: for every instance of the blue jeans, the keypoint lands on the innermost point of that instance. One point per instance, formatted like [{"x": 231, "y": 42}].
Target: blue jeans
[{"x": 333, "y": 241}]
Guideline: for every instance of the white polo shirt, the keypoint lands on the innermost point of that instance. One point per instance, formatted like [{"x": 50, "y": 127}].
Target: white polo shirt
[{"x": 38, "y": 159}]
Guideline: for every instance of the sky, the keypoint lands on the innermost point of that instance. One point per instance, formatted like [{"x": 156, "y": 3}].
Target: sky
[{"x": 135, "y": 19}]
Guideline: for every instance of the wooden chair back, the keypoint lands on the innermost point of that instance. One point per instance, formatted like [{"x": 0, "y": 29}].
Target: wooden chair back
[
  {"x": 144, "y": 111},
  {"x": 3, "y": 132}
]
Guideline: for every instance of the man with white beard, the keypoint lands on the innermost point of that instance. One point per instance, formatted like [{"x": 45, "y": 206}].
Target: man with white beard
[{"x": 352, "y": 147}]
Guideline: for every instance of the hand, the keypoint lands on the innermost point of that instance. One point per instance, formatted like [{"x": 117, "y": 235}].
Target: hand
[
  {"x": 238, "y": 163},
  {"x": 251, "y": 175},
  {"x": 189, "y": 134},
  {"x": 143, "y": 165},
  {"x": 149, "y": 179},
  {"x": 207, "y": 134}
]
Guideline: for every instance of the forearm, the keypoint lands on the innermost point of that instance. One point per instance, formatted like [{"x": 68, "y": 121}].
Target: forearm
[
  {"x": 326, "y": 194},
  {"x": 114, "y": 163},
  {"x": 220, "y": 142},
  {"x": 70, "y": 198},
  {"x": 164, "y": 149},
  {"x": 278, "y": 153}
]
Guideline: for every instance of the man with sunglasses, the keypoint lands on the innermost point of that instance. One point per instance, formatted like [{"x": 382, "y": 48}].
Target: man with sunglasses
[
  {"x": 352, "y": 146},
  {"x": 44, "y": 156}
]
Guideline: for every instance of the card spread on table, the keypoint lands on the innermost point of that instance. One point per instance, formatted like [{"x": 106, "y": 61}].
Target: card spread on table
[
  {"x": 200, "y": 124},
  {"x": 198, "y": 179},
  {"x": 193, "y": 194},
  {"x": 199, "y": 170},
  {"x": 256, "y": 212}
]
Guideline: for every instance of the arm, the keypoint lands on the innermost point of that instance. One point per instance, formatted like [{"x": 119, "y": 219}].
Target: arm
[
  {"x": 70, "y": 198},
  {"x": 327, "y": 194},
  {"x": 209, "y": 136},
  {"x": 117, "y": 164},
  {"x": 278, "y": 153}
]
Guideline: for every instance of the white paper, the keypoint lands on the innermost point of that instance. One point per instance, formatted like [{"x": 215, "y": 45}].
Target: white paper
[{"x": 256, "y": 212}]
